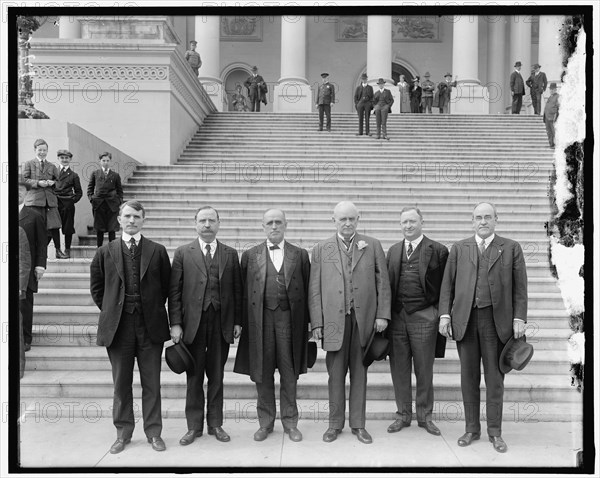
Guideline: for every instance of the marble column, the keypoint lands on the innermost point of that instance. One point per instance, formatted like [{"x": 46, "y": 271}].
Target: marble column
[
  {"x": 469, "y": 97},
  {"x": 520, "y": 50},
  {"x": 292, "y": 93},
  {"x": 549, "y": 52},
  {"x": 496, "y": 65},
  {"x": 69, "y": 28},
  {"x": 379, "y": 50},
  {"x": 207, "y": 34}
]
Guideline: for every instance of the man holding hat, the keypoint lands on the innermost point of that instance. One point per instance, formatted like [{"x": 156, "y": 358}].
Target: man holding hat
[
  {"x": 383, "y": 101},
  {"x": 537, "y": 83},
  {"x": 483, "y": 303},
  {"x": 416, "y": 268},
  {"x": 444, "y": 90},
  {"x": 325, "y": 99},
  {"x": 349, "y": 297},
  {"x": 551, "y": 113},
  {"x": 193, "y": 57},
  {"x": 129, "y": 282},
  {"x": 363, "y": 102},
  {"x": 257, "y": 89},
  {"x": 517, "y": 89},
  {"x": 68, "y": 191},
  {"x": 205, "y": 308},
  {"x": 275, "y": 275},
  {"x": 427, "y": 87}
]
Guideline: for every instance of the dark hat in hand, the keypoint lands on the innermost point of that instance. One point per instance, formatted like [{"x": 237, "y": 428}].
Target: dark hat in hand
[
  {"x": 377, "y": 348},
  {"x": 179, "y": 359},
  {"x": 518, "y": 63},
  {"x": 311, "y": 356},
  {"x": 516, "y": 354},
  {"x": 64, "y": 152}
]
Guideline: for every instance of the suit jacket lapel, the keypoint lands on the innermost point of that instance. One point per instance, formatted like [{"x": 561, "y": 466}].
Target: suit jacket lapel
[
  {"x": 198, "y": 256},
  {"x": 222, "y": 258},
  {"x": 147, "y": 253},
  {"x": 290, "y": 254},
  {"x": 426, "y": 251},
  {"x": 261, "y": 265},
  {"x": 328, "y": 250},
  {"x": 356, "y": 252},
  {"x": 115, "y": 249},
  {"x": 473, "y": 251},
  {"x": 495, "y": 248}
]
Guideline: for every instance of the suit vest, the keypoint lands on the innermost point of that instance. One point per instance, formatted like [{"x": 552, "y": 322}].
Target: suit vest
[
  {"x": 275, "y": 291},
  {"x": 483, "y": 296},
  {"x": 346, "y": 260},
  {"x": 410, "y": 295},
  {"x": 131, "y": 269},
  {"x": 212, "y": 293}
]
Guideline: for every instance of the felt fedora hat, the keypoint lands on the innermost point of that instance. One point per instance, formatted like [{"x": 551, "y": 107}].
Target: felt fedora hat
[
  {"x": 516, "y": 354},
  {"x": 377, "y": 348},
  {"x": 311, "y": 356},
  {"x": 179, "y": 359}
]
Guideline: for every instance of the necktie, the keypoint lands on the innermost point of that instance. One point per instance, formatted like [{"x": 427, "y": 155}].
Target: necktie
[
  {"x": 482, "y": 247},
  {"x": 409, "y": 250},
  {"x": 42, "y": 165},
  {"x": 273, "y": 247},
  {"x": 208, "y": 256},
  {"x": 347, "y": 244},
  {"x": 132, "y": 246},
  {"x": 106, "y": 172}
]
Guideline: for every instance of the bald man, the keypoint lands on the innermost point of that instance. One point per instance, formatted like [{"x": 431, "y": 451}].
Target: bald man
[
  {"x": 349, "y": 297},
  {"x": 275, "y": 274}
]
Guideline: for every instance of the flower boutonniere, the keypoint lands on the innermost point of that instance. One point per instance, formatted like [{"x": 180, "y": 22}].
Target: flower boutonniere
[{"x": 361, "y": 245}]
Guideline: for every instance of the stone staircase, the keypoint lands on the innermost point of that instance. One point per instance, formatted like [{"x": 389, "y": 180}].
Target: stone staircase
[{"x": 244, "y": 163}]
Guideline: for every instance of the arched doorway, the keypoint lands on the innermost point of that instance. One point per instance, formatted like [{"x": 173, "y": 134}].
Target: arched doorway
[
  {"x": 234, "y": 77},
  {"x": 398, "y": 70}
]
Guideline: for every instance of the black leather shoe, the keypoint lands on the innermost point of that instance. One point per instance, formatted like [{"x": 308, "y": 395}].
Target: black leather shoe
[
  {"x": 294, "y": 434},
  {"x": 431, "y": 428},
  {"x": 157, "y": 443},
  {"x": 468, "y": 438},
  {"x": 358, "y": 134},
  {"x": 385, "y": 137},
  {"x": 189, "y": 437},
  {"x": 331, "y": 434},
  {"x": 362, "y": 435},
  {"x": 219, "y": 433},
  {"x": 262, "y": 434},
  {"x": 499, "y": 444},
  {"x": 398, "y": 425},
  {"x": 119, "y": 445},
  {"x": 61, "y": 255},
  {"x": 378, "y": 137}
]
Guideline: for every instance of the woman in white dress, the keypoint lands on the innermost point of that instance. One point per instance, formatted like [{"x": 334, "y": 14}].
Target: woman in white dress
[{"x": 404, "y": 89}]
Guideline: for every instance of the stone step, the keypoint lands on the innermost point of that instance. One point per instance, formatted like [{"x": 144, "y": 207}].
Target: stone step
[
  {"x": 518, "y": 386},
  {"x": 36, "y": 409},
  {"x": 79, "y": 333},
  {"x": 48, "y": 358}
]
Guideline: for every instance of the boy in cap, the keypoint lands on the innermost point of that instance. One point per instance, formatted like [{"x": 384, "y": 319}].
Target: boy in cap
[
  {"x": 517, "y": 89},
  {"x": 68, "y": 192},
  {"x": 427, "y": 87},
  {"x": 193, "y": 57},
  {"x": 325, "y": 99}
]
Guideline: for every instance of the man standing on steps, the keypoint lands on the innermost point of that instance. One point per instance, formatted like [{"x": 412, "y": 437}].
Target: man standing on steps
[
  {"x": 257, "y": 89},
  {"x": 416, "y": 268},
  {"x": 349, "y": 296},
  {"x": 483, "y": 303},
  {"x": 205, "y": 308},
  {"x": 275, "y": 275},
  {"x": 363, "y": 102},
  {"x": 129, "y": 282},
  {"x": 537, "y": 83},
  {"x": 551, "y": 113},
  {"x": 517, "y": 89},
  {"x": 382, "y": 101},
  {"x": 325, "y": 100}
]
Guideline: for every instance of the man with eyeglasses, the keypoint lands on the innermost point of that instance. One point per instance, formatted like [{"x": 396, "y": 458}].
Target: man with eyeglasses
[
  {"x": 275, "y": 274},
  {"x": 483, "y": 303}
]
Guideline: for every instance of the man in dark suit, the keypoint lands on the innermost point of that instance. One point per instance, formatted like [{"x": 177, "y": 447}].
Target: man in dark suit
[
  {"x": 551, "y": 113},
  {"x": 444, "y": 92},
  {"x": 416, "y": 268},
  {"x": 517, "y": 89},
  {"x": 483, "y": 303},
  {"x": 325, "y": 100},
  {"x": 256, "y": 89},
  {"x": 129, "y": 282},
  {"x": 382, "y": 101},
  {"x": 68, "y": 192},
  {"x": 537, "y": 83},
  {"x": 275, "y": 326},
  {"x": 205, "y": 308},
  {"x": 349, "y": 297},
  {"x": 363, "y": 102},
  {"x": 33, "y": 225}
]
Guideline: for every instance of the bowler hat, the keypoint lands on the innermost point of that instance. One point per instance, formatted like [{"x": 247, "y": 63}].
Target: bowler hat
[
  {"x": 416, "y": 79},
  {"x": 377, "y": 348},
  {"x": 64, "y": 152},
  {"x": 426, "y": 75},
  {"x": 518, "y": 63},
  {"x": 515, "y": 355},
  {"x": 381, "y": 81},
  {"x": 254, "y": 68},
  {"x": 179, "y": 359},
  {"x": 324, "y": 75},
  {"x": 311, "y": 356},
  {"x": 448, "y": 74},
  {"x": 364, "y": 76},
  {"x": 552, "y": 86},
  {"x": 536, "y": 66},
  {"x": 194, "y": 42}
]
